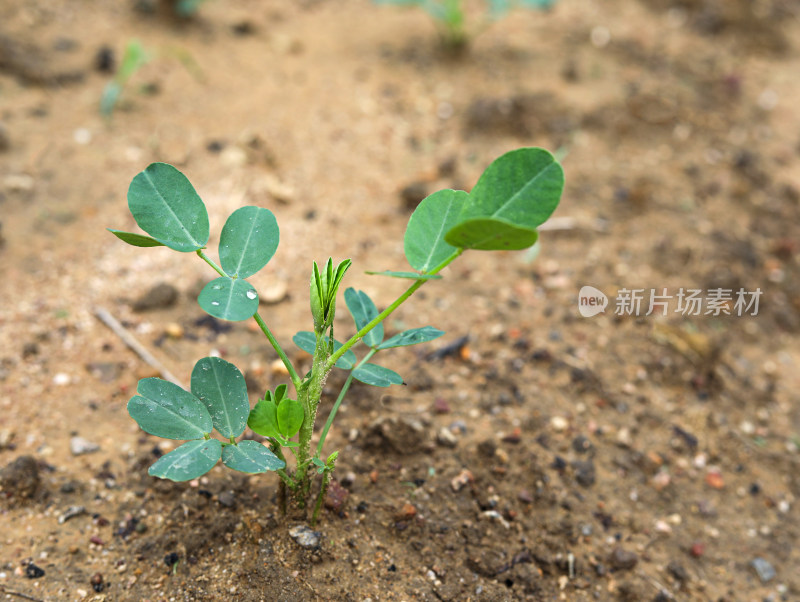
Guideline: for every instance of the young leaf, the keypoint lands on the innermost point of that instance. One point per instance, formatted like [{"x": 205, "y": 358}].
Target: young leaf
[
  {"x": 165, "y": 205},
  {"x": 137, "y": 240},
  {"x": 372, "y": 374},
  {"x": 290, "y": 417},
  {"x": 190, "y": 461},
  {"x": 280, "y": 392},
  {"x": 163, "y": 409},
  {"x": 412, "y": 337},
  {"x": 518, "y": 191},
  {"x": 317, "y": 295},
  {"x": 493, "y": 234},
  {"x": 229, "y": 299},
  {"x": 220, "y": 386},
  {"x": 424, "y": 242},
  {"x": 410, "y": 275},
  {"x": 248, "y": 241},
  {"x": 307, "y": 341},
  {"x": 250, "y": 457},
  {"x": 364, "y": 311},
  {"x": 263, "y": 419}
]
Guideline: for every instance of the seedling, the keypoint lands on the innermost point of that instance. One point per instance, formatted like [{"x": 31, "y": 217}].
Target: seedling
[
  {"x": 451, "y": 17},
  {"x": 517, "y": 193}
]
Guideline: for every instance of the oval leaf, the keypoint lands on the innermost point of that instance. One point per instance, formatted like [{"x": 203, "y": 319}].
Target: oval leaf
[
  {"x": 412, "y": 337},
  {"x": 290, "y": 417},
  {"x": 250, "y": 457},
  {"x": 248, "y": 241},
  {"x": 229, "y": 299},
  {"x": 492, "y": 234},
  {"x": 163, "y": 409},
  {"x": 307, "y": 341},
  {"x": 220, "y": 386},
  {"x": 364, "y": 311},
  {"x": 137, "y": 240},
  {"x": 165, "y": 205},
  {"x": 190, "y": 461},
  {"x": 263, "y": 419},
  {"x": 424, "y": 243},
  {"x": 522, "y": 187},
  {"x": 372, "y": 374},
  {"x": 409, "y": 275}
]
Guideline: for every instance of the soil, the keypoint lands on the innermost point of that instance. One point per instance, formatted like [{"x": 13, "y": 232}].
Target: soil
[{"x": 547, "y": 456}]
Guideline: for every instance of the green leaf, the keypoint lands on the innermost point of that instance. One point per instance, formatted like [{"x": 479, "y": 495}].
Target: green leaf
[
  {"x": 424, "y": 241},
  {"x": 165, "y": 205},
  {"x": 220, "y": 386},
  {"x": 248, "y": 241},
  {"x": 317, "y": 295},
  {"x": 137, "y": 240},
  {"x": 518, "y": 192},
  {"x": 411, "y": 275},
  {"x": 190, "y": 461},
  {"x": 229, "y": 299},
  {"x": 163, "y": 409},
  {"x": 492, "y": 234},
  {"x": 280, "y": 392},
  {"x": 364, "y": 311},
  {"x": 307, "y": 341},
  {"x": 412, "y": 337},
  {"x": 290, "y": 417},
  {"x": 372, "y": 374},
  {"x": 263, "y": 419},
  {"x": 251, "y": 457}
]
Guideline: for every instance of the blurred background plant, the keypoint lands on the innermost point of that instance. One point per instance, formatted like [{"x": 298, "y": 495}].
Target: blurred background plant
[{"x": 451, "y": 16}]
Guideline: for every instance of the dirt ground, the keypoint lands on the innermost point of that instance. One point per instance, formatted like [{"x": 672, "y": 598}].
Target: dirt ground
[{"x": 548, "y": 457}]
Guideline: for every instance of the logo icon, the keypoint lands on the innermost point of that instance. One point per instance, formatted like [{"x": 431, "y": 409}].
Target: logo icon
[{"x": 591, "y": 301}]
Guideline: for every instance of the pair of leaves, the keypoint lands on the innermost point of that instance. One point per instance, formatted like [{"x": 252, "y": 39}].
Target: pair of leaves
[
  {"x": 218, "y": 400},
  {"x": 166, "y": 206},
  {"x": 517, "y": 193},
  {"x": 277, "y": 416}
]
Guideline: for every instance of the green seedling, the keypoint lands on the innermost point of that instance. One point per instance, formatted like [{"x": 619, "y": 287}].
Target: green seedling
[
  {"x": 517, "y": 193},
  {"x": 134, "y": 58},
  {"x": 451, "y": 16}
]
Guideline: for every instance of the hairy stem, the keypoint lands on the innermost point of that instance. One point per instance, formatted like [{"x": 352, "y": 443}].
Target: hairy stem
[
  {"x": 323, "y": 491},
  {"x": 338, "y": 402},
  {"x": 388, "y": 311}
]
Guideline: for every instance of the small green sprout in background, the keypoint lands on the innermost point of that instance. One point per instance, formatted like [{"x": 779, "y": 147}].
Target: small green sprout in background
[
  {"x": 517, "y": 193},
  {"x": 451, "y": 16}
]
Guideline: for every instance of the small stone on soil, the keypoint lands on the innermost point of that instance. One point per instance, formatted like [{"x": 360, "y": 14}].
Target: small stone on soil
[
  {"x": 407, "y": 512},
  {"x": 306, "y": 537},
  {"x": 461, "y": 480},
  {"x": 678, "y": 571},
  {"x": 764, "y": 569},
  {"x": 622, "y": 559},
  {"x": 585, "y": 473},
  {"x": 336, "y": 496},
  {"x": 446, "y": 438},
  {"x": 71, "y": 512},
  {"x": 227, "y": 499},
  {"x": 33, "y": 572},
  {"x": 20, "y": 478},
  {"x": 79, "y": 446},
  {"x": 160, "y": 296}
]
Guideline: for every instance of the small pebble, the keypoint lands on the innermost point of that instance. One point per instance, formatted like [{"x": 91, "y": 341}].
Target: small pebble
[
  {"x": 764, "y": 569},
  {"x": 440, "y": 406},
  {"x": 276, "y": 292},
  {"x": 622, "y": 559},
  {"x": 514, "y": 437},
  {"x": 407, "y": 512},
  {"x": 305, "y": 537},
  {"x": 585, "y": 473},
  {"x": 461, "y": 480},
  {"x": 714, "y": 479},
  {"x": 61, "y": 379},
  {"x": 336, "y": 496},
  {"x": 697, "y": 549},
  {"x": 559, "y": 423},
  {"x": 97, "y": 582},
  {"x": 446, "y": 438},
  {"x": 227, "y": 499},
  {"x": 33, "y": 572},
  {"x": 79, "y": 446},
  {"x": 158, "y": 297},
  {"x": 174, "y": 330},
  {"x": 70, "y": 513}
]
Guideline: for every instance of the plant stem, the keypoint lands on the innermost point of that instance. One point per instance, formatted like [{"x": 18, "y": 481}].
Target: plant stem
[
  {"x": 210, "y": 262},
  {"x": 279, "y": 350},
  {"x": 386, "y": 312},
  {"x": 339, "y": 400},
  {"x": 323, "y": 491}
]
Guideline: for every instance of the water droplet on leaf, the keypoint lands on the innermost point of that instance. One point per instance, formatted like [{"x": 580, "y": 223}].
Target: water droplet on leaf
[{"x": 251, "y": 294}]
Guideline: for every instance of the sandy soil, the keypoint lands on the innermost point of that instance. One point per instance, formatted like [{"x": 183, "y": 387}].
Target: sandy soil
[{"x": 615, "y": 457}]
